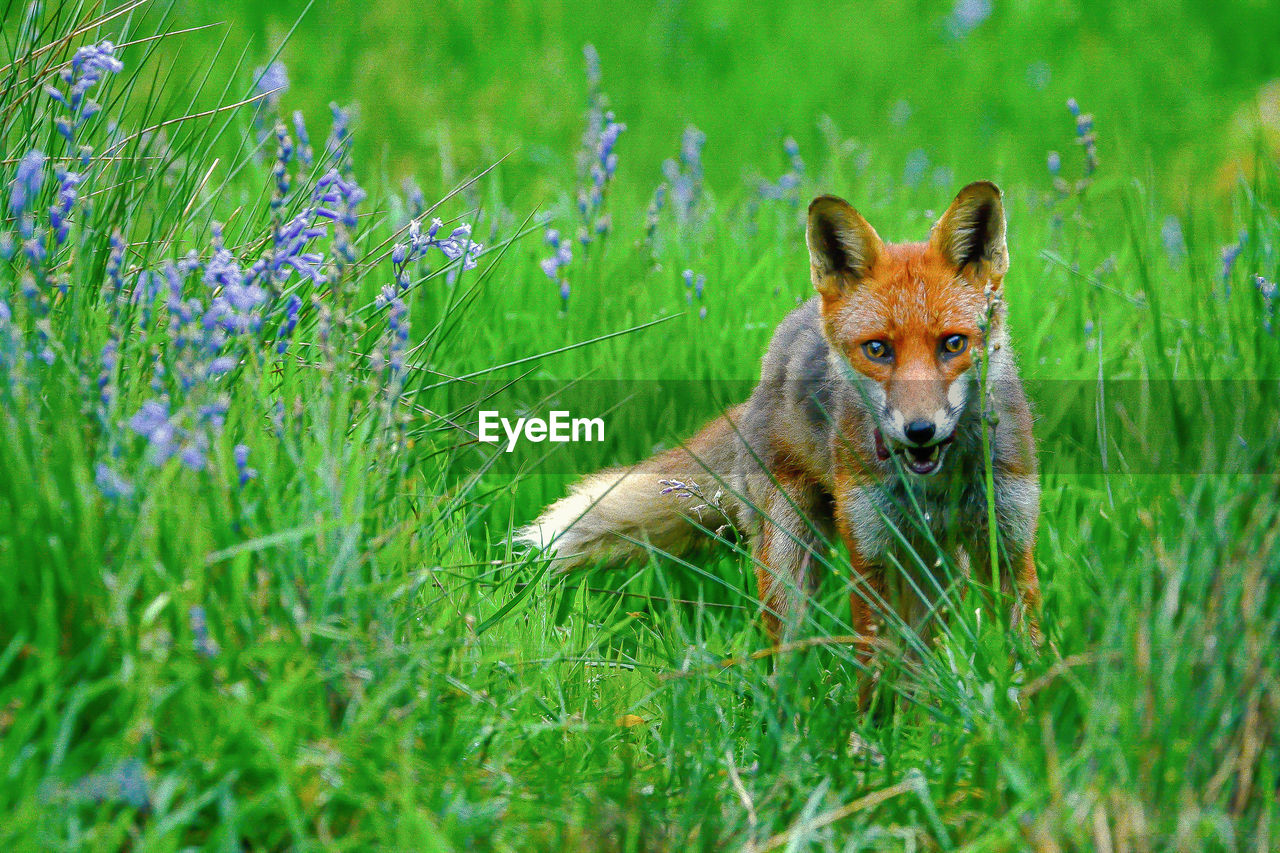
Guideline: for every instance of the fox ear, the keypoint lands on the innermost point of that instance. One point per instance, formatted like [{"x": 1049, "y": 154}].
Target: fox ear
[
  {"x": 842, "y": 246},
  {"x": 970, "y": 236}
]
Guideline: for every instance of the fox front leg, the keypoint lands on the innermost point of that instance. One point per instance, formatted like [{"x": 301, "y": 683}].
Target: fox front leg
[
  {"x": 1018, "y": 504},
  {"x": 1019, "y": 582},
  {"x": 1026, "y": 609},
  {"x": 790, "y": 531},
  {"x": 867, "y": 587}
]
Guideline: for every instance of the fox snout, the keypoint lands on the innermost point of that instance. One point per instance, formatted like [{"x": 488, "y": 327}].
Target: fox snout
[
  {"x": 922, "y": 411},
  {"x": 920, "y": 431},
  {"x": 920, "y": 424}
]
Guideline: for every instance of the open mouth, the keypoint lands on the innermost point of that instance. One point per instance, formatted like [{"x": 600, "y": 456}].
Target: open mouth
[{"x": 918, "y": 459}]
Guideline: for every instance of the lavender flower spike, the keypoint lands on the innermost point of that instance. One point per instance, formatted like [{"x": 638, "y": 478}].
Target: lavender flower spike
[
  {"x": 272, "y": 81},
  {"x": 26, "y": 182},
  {"x": 91, "y": 63},
  {"x": 241, "y": 455},
  {"x": 152, "y": 423}
]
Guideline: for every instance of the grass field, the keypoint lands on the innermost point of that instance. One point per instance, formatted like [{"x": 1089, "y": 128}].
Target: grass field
[{"x": 256, "y": 591}]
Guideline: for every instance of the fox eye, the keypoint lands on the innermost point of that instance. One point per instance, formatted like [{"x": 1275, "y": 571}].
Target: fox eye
[
  {"x": 954, "y": 344},
  {"x": 877, "y": 350}
]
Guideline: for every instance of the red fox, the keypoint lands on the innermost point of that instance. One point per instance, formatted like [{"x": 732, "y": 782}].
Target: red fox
[{"x": 866, "y": 423}]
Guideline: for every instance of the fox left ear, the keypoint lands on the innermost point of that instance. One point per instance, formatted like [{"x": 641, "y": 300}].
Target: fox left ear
[
  {"x": 843, "y": 247},
  {"x": 970, "y": 236}
]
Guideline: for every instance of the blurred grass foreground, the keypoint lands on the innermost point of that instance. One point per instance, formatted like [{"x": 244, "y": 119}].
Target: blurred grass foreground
[{"x": 261, "y": 265}]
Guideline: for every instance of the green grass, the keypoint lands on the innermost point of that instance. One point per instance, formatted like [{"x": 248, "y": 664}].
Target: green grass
[{"x": 341, "y": 652}]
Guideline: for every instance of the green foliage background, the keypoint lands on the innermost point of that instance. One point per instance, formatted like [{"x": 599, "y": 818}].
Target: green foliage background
[{"x": 389, "y": 675}]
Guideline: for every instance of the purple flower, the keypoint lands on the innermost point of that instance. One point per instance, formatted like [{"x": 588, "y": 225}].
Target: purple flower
[
  {"x": 271, "y": 81},
  {"x": 694, "y": 285},
  {"x": 13, "y": 350},
  {"x": 691, "y": 142},
  {"x": 338, "y": 145},
  {"x": 91, "y": 63},
  {"x": 88, "y": 67},
  {"x": 241, "y": 456},
  {"x": 27, "y": 182},
  {"x": 415, "y": 200},
  {"x": 901, "y": 113},
  {"x": 337, "y": 198},
  {"x": 221, "y": 365},
  {"x": 1054, "y": 163},
  {"x": 592, "y": 57},
  {"x": 152, "y": 422},
  {"x": 214, "y": 414},
  {"x": 597, "y": 159},
  {"x": 115, "y": 260},
  {"x": 685, "y": 177},
  {"x": 280, "y": 169},
  {"x": 124, "y": 783},
  {"x": 203, "y": 643},
  {"x": 604, "y": 163},
  {"x": 236, "y": 307},
  {"x": 109, "y": 358},
  {"x": 1267, "y": 289},
  {"x": 917, "y": 164},
  {"x": 966, "y": 16},
  {"x": 290, "y": 244},
  {"x": 291, "y": 307},
  {"x": 1230, "y": 253},
  {"x": 1175, "y": 245},
  {"x": 398, "y": 330},
  {"x": 562, "y": 258},
  {"x": 305, "y": 153},
  {"x": 787, "y": 187},
  {"x": 653, "y": 214},
  {"x": 1085, "y": 137},
  {"x": 68, "y": 193},
  {"x": 457, "y": 245},
  {"x": 192, "y": 454},
  {"x": 110, "y": 483},
  {"x": 152, "y": 417}
]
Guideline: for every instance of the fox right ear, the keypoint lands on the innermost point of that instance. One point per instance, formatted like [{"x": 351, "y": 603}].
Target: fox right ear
[{"x": 842, "y": 246}]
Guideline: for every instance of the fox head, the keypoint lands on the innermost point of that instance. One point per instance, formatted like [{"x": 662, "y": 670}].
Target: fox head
[{"x": 909, "y": 318}]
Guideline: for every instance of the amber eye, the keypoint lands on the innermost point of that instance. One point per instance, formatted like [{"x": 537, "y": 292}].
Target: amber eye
[
  {"x": 877, "y": 350},
  {"x": 954, "y": 344}
]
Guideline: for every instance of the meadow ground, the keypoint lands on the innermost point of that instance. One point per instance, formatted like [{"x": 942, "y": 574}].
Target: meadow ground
[{"x": 255, "y": 586}]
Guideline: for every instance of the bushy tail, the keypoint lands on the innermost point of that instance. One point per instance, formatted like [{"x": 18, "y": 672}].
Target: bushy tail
[{"x": 610, "y": 515}]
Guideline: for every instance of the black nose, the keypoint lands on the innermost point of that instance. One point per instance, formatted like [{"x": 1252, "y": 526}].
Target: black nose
[{"x": 920, "y": 431}]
